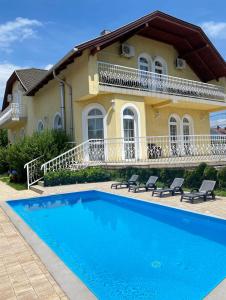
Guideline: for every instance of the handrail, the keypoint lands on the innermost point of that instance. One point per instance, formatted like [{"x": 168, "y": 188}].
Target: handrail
[{"x": 34, "y": 173}]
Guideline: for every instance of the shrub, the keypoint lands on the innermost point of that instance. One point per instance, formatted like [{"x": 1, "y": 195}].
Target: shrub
[
  {"x": 168, "y": 175},
  {"x": 62, "y": 177},
  {"x": 47, "y": 144},
  {"x": 4, "y": 167},
  {"x": 221, "y": 176},
  {"x": 193, "y": 178},
  {"x": 3, "y": 138},
  {"x": 210, "y": 173}
]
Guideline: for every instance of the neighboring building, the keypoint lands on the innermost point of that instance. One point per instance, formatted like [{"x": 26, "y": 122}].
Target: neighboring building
[{"x": 157, "y": 77}]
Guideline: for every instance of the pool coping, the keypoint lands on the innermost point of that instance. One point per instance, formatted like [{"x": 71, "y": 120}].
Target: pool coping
[{"x": 72, "y": 286}]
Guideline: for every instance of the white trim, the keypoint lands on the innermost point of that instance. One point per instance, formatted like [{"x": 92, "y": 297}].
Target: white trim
[
  {"x": 85, "y": 112},
  {"x": 57, "y": 115},
  {"x": 137, "y": 128}
]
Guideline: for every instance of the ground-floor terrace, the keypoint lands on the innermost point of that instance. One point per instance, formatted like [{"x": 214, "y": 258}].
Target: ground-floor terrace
[{"x": 24, "y": 275}]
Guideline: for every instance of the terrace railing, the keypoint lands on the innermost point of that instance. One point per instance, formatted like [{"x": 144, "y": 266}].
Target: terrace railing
[
  {"x": 112, "y": 75},
  {"x": 153, "y": 150},
  {"x": 34, "y": 172}
]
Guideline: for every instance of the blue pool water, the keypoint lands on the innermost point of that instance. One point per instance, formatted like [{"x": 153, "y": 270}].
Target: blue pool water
[{"x": 127, "y": 249}]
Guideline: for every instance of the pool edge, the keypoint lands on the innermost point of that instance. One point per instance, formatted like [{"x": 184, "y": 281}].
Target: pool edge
[{"x": 72, "y": 286}]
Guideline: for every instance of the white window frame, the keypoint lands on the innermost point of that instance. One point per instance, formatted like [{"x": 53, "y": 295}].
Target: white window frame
[
  {"x": 137, "y": 128},
  {"x": 163, "y": 63}
]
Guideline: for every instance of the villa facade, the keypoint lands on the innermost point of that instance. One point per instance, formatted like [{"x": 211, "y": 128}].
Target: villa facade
[{"x": 141, "y": 92}]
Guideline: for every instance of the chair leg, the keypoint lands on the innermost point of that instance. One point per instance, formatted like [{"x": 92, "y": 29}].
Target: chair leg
[{"x": 181, "y": 198}]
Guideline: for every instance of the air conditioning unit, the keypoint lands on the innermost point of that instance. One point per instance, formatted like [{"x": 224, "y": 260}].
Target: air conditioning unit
[
  {"x": 180, "y": 63},
  {"x": 9, "y": 98},
  {"x": 127, "y": 50}
]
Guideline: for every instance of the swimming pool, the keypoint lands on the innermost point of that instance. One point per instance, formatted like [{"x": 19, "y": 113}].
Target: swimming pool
[{"x": 129, "y": 249}]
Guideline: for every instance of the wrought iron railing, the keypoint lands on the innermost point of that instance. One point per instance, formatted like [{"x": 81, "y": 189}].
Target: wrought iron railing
[
  {"x": 142, "y": 151},
  {"x": 34, "y": 172},
  {"x": 123, "y": 77}
]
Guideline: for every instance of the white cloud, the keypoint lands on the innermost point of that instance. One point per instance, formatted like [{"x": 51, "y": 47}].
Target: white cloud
[
  {"x": 17, "y": 31},
  {"x": 48, "y": 67},
  {"x": 215, "y": 29},
  {"x": 6, "y": 69}
]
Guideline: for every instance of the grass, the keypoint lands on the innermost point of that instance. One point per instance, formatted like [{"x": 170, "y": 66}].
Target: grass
[{"x": 17, "y": 186}]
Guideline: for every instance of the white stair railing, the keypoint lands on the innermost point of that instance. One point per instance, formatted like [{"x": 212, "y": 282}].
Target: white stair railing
[
  {"x": 76, "y": 158},
  {"x": 34, "y": 172}
]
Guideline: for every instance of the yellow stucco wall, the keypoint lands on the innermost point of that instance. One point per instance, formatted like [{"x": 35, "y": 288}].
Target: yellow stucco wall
[{"x": 151, "y": 47}]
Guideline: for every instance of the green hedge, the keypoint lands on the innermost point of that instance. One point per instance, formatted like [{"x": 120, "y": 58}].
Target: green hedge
[
  {"x": 48, "y": 144},
  {"x": 62, "y": 177},
  {"x": 193, "y": 177}
]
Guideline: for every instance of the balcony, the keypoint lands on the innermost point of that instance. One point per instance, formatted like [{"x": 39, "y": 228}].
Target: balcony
[
  {"x": 12, "y": 115},
  {"x": 114, "y": 77}
]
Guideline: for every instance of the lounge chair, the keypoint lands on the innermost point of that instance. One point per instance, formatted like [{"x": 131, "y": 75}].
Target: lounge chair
[
  {"x": 125, "y": 184},
  {"x": 149, "y": 185},
  {"x": 206, "y": 190},
  {"x": 175, "y": 187}
]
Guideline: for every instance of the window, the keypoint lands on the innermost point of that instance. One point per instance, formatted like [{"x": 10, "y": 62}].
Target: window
[
  {"x": 57, "y": 124},
  {"x": 40, "y": 127},
  {"x": 187, "y": 132},
  {"x": 174, "y": 131},
  {"x": 130, "y": 131},
  {"x": 95, "y": 124},
  {"x": 160, "y": 66},
  {"x": 144, "y": 64}
]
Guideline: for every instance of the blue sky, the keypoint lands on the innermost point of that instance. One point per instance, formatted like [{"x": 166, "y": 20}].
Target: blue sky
[{"x": 38, "y": 33}]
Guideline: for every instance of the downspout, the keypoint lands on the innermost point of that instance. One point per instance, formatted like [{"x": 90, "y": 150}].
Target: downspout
[{"x": 62, "y": 85}]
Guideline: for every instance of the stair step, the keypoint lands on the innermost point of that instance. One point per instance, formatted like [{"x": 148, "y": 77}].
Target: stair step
[{"x": 37, "y": 189}]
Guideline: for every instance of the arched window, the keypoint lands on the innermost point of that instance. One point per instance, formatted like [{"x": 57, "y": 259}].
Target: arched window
[
  {"x": 57, "y": 123},
  {"x": 160, "y": 66},
  {"x": 174, "y": 131},
  {"x": 95, "y": 124},
  {"x": 144, "y": 62},
  {"x": 40, "y": 127},
  {"x": 187, "y": 134},
  {"x": 130, "y": 132},
  {"x": 187, "y": 126}
]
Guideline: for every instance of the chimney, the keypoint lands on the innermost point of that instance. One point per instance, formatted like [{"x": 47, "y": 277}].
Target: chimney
[{"x": 104, "y": 32}]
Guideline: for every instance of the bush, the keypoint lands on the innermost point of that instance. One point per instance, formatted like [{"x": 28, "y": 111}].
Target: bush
[
  {"x": 168, "y": 175},
  {"x": 3, "y": 138},
  {"x": 4, "y": 167},
  {"x": 210, "y": 173},
  {"x": 48, "y": 144},
  {"x": 62, "y": 177},
  {"x": 193, "y": 178},
  {"x": 221, "y": 176}
]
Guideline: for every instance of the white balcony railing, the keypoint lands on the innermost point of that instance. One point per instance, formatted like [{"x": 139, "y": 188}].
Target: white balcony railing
[
  {"x": 154, "y": 150},
  {"x": 129, "y": 78},
  {"x": 14, "y": 112}
]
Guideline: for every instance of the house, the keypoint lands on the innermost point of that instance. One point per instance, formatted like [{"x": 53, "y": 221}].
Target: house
[{"x": 140, "y": 94}]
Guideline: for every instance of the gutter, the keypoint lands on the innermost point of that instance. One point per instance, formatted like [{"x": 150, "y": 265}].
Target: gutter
[{"x": 62, "y": 86}]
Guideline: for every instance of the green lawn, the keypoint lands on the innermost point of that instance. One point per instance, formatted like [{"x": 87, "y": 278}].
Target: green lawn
[{"x": 17, "y": 186}]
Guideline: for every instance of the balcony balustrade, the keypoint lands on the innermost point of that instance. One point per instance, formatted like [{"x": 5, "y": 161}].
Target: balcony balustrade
[
  {"x": 13, "y": 113},
  {"x": 117, "y": 76}
]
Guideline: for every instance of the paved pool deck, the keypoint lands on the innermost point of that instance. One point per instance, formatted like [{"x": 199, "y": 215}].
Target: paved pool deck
[{"x": 22, "y": 273}]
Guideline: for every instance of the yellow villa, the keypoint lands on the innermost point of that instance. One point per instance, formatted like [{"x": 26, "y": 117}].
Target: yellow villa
[{"x": 139, "y": 95}]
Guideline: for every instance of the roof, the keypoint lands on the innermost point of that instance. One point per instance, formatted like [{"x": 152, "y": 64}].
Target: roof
[
  {"x": 189, "y": 40},
  {"x": 27, "y": 77}
]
